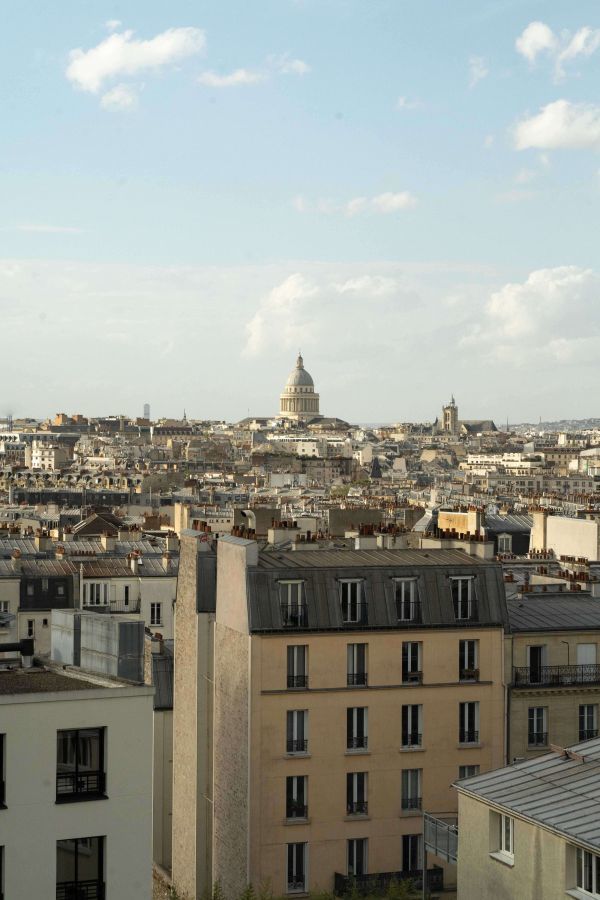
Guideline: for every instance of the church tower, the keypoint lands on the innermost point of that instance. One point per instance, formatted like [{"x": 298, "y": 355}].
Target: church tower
[
  {"x": 450, "y": 418},
  {"x": 298, "y": 400}
]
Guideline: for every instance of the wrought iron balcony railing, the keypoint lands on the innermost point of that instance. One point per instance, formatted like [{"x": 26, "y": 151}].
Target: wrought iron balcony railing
[
  {"x": 296, "y": 811},
  {"x": 297, "y": 681},
  {"x": 355, "y": 614},
  {"x": 358, "y": 742},
  {"x": 80, "y": 890},
  {"x": 412, "y": 677},
  {"x": 294, "y": 615},
  {"x": 296, "y": 885},
  {"x": 468, "y": 736},
  {"x": 468, "y": 675},
  {"x": 357, "y": 679},
  {"x": 357, "y": 808},
  {"x": 75, "y": 785},
  {"x": 407, "y": 612},
  {"x": 537, "y": 739},
  {"x": 297, "y": 745},
  {"x": 556, "y": 675},
  {"x": 412, "y": 802},
  {"x": 586, "y": 734},
  {"x": 411, "y": 739}
]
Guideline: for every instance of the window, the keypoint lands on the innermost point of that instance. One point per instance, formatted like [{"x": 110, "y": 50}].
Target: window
[
  {"x": 467, "y": 771},
  {"x": 353, "y": 605},
  {"x": 412, "y": 725},
  {"x": 2, "y": 773},
  {"x": 357, "y": 665},
  {"x": 297, "y": 731},
  {"x": 294, "y": 612},
  {"x": 411, "y": 662},
  {"x": 44, "y": 584},
  {"x": 296, "y": 867},
  {"x": 80, "y": 868},
  {"x": 468, "y": 658},
  {"x": 463, "y": 597},
  {"x": 536, "y": 661},
  {"x": 98, "y": 594},
  {"x": 408, "y": 606},
  {"x": 296, "y": 797},
  {"x": 588, "y": 721},
  {"x": 588, "y": 872},
  {"x": 412, "y": 853},
  {"x": 126, "y": 595},
  {"x": 44, "y": 623},
  {"x": 357, "y": 856},
  {"x": 504, "y": 543},
  {"x": 80, "y": 765},
  {"x": 4, "y": 606},
  {"x": 505, "y": 835},
  {"x": 356, "y": 728},
  {"x": 156, "y": 613},
  {"x": 537, "y": 726},
  {"x": 356, "y": 794},
  {"x": 30, "y": 628},
  {"x": 411, "y": 788},
  {"x": 468, "y": 723},
  {"x": 297, "y": 666},
  {"x": 30, "y": 589},
  {"x": 60, "y": 590}
]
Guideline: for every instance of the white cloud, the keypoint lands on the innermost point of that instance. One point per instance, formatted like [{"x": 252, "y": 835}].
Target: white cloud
[
  {"x": 560, "y": 125},
  {"x": 122, "y": 97},
  {"x": 535, "y": 39},
  {"x": 122, "y": 54},
  {"x": 368, "y": 286},
  {"x": 300, "y": 204},
  {"x": 112, "y": 24},
  {"x": 524, "y": 176},
  {"x": 539, "y": 38},
  {"x": 478, "y": 70},
  {"x": 231, "y": 79},
  {"x": 356, "y": 205},
  {"x": 283, "y": 313},
  {"x": 286, "y": 65},
  {"x": 405, "y": 103},
  {"x": 388, "y": 203}
]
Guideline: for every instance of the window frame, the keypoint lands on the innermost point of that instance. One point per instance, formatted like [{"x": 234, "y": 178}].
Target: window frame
[
  {"x": 84, "y": 842},
  {"x": 356, "y": 664},
  {"x": 411, "y": 737},
  {"x": 296, "y": 745},
  {"x": 459, "y": 601},
  {"x": 296, "y": 887},
  {"x": 355, "y": 741},
  {"x": 79, "y": 777},
  {"x": 594, "y": 871},
  {"x": 412, "y": 603},
  {"x": 412, "y": 790},
  {"x": 352, "y": 844},
  {"x": 537, "y": 737},
  {"x": 348, "y": 616},
  {"x": 410, "y": 674},
  {"x": 296, "y": 679},
  {"x": 464, "y": 728},
  {"x": 153, "y": 609}
]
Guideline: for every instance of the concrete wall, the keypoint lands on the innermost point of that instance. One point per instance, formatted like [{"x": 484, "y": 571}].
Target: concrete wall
[
  {"x": 567, "y": 537},
  {"x": 544, "y": 864},
  {"x": 162, "y": 799},
  {"x": 32, "y": 818}
]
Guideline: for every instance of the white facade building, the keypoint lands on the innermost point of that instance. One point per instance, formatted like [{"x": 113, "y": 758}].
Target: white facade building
[{"x": 298, "y": 401}]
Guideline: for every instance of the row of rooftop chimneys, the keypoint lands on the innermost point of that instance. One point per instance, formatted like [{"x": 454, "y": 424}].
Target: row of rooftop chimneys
[{"x": 133, "y": 559}]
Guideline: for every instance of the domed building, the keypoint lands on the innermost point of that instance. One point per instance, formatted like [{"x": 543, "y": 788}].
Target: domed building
[{"x": 298, "y": 400}]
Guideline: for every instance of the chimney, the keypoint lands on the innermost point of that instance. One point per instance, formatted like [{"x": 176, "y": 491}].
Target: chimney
[
  {"x": 172, "y": 542},
  {"x": 134, "y": 561},
  {"x": 59, "y": 552},
  {"x": 16, "y": 561},
  {"x": 108, "y": 542},
  {"x": 166, "y": 561}
]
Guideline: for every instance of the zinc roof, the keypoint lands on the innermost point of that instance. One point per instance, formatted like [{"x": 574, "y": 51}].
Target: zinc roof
[
  {"x": 323, "y": 558},
  {"x": 565, "y": 612}
]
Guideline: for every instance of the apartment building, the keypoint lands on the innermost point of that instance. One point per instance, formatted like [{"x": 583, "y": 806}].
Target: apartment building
[
  {"x": 531, "y": 830},
  {"x": 323, "y": 700},
  {"x": 75, "y": 786},
  {"x": 553, "y": 671}
]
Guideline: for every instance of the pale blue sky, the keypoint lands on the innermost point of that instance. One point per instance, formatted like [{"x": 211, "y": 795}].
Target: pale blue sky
[{"x": 195, "y": 206}]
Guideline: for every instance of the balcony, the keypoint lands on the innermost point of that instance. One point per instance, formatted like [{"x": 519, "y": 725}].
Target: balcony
[
  {"x": 408, "y": 613},
  {"x": 115, "y": 607},
  {"x": 554, "y": 676},
  {"x": 296, "y": 810},
  {"x": 586, "y": 734},
  {"x": 80, "y": 890},
  {"x": 537, "y": 739},
  {"x": 357, "y": 808},
  {"x": 298, "y": 745},
  {"x": 358, "y": 742},
  {"x": 357, "y": 679},
  {"x": 380, "y": 882},
  {"x": 297, "y": 681},
  {"x": 412, "y": 802},
  {"x": 412, "y": 677},
  {"x": 468, "y": 736},
  {"x": 465, "y": 611},
  {"x": 468, "y": 675},
  {"x": 412, "y": 739},
  {"x": 355, "y": 614},
  {"x": 73, "y": 786},
  {"x": 294, "y": 615}
]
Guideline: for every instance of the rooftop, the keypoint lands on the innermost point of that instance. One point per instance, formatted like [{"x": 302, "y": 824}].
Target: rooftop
[
  {"x": 324, "y": 559},
  {"x": 563, "y": 612},
  {"x": 41, "y": 681},
  {"x": 554, "y": 790}
]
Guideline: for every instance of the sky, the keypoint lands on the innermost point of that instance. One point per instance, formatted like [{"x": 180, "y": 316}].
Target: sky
[{"x": 407, "y": 190}]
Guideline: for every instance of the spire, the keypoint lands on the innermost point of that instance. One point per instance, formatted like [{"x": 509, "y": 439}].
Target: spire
[{"x": 299, "y": 361}]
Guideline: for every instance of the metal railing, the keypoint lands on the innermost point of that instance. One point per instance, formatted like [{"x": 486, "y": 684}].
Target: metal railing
[
  {"x": 586, "y": 734},
  {"x": 295, "y": 615},
  {"x": 356, "y": 616},
  {"x": 465, "y": 610},
  {"x": 297, "y": 745},
  {"x": 468, "y": 675},
  {"x": 411, "y": 739},
  {"x": 296, "y": 885},
  {"x": 412, "y": 677},
  {"x": 80, "y": 890},
  {"x": 468, "y": 736},
  {"x": 73, "y": 784},
  {"x": 357, "y": 742},
  {"x": 115, "y": 606},
  {"x": 379, "y": 882},
  {"x": 296, "y": 811},
  {"x": 408, "y": 612},
  {"x": 297, "y": 681},
  {"x": 441, "y": 837},
  {"x": 357, "y": 679},
  {"x": 537, "y": 739},
  {"x": 556, "y": 675},
  {"x": 412, "y": 802},
  {"x": 357, "y": 808}
]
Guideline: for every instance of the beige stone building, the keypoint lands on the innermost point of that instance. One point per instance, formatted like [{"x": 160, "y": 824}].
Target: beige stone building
[
  {"x": 323, "y": 700},
  {"x": 532, "y": 831},
  {"x": 298, "y": 400}
]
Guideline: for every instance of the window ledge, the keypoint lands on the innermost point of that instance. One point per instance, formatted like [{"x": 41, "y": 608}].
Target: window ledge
[
  {"x": 358, "y": 752},
  {"x": 504, "y": 858},
  {"x": 411, "y": 750},
  {"x": 579, "y": 894},
  {"x": 300, "y": 755},
  {"x": 408, "y": 813},
  {"x": 357, "y": 817},
  {"x": 469, "y": 746},
  {"x": 296, "y": 821},
  {"x": 80, "y": 798}
]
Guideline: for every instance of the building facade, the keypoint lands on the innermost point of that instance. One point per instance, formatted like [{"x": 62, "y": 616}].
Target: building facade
[{"x": 298, "y": 400}]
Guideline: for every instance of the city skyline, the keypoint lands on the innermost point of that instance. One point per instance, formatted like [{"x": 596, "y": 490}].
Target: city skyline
[{"x": 194, "y": 193}]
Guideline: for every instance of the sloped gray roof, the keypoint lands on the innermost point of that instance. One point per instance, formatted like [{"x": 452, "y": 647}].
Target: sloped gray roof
[
  {"x": 558, "y": 612},
  {"x": 552, "y": 790},
  {"x": 510, "y": 523}
]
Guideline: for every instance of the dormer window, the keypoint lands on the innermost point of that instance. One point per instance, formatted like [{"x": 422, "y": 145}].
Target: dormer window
[
  {"x": 353, "y": 603},
  {"x": 293, "y": 604},
  {"x": 408, "y": 607},
  {"x": 463, "y": 596}
]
